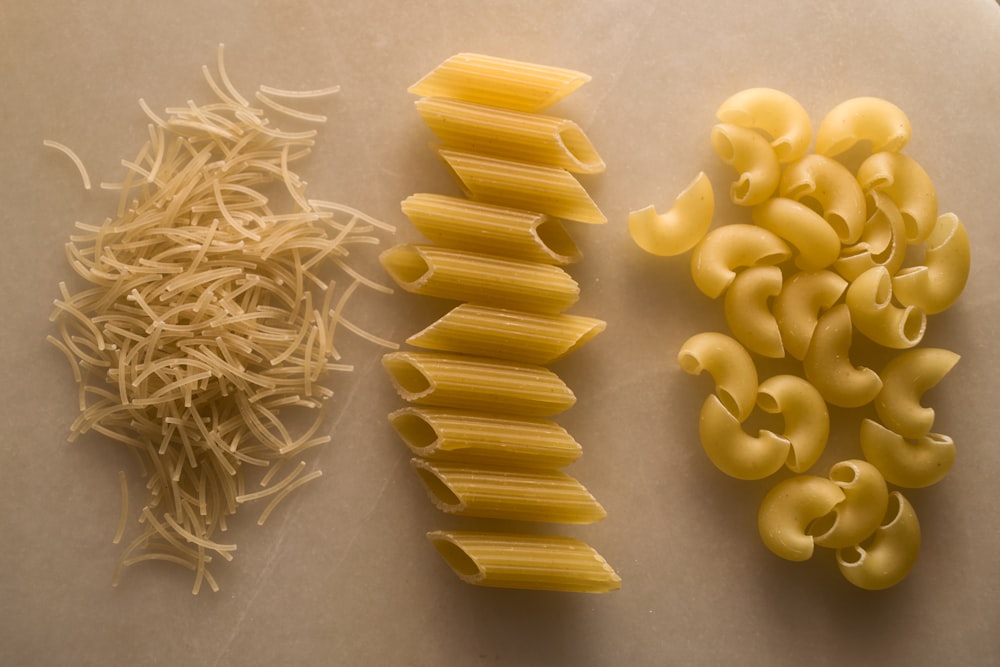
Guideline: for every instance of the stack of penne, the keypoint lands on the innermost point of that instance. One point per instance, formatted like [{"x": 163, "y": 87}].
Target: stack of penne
[{"x": 481, "y": 399}]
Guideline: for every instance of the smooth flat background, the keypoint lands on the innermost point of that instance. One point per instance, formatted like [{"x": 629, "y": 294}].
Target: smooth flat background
[{"x": 342, "y": 573}]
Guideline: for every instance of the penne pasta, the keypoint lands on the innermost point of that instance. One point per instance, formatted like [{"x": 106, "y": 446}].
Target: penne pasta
[{"x": 679, "y": 229}]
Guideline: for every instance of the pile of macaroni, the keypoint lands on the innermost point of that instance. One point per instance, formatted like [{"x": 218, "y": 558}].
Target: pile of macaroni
[{"x": 823, "y": 258}]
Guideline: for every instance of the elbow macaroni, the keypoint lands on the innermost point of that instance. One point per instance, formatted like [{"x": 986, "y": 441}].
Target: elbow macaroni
[
  {"x": 863, "y": 119},
  {"x": 912, "y": 465},
  {"x": 790, "y": 508},
  {"x": 833, "y": 187},
  {"x": 904, "y": 181},
  {"x": 828, "y": 366},
  {"x": 936, "y": 285},
  {"x": 866, "y": 498},
  {"x": 752, "y": 157},
  {"x": 882, "y": 242},
  {"x": 725, "y": 249},
  {"x": 797, "y": 309},
  {"x": 807, "y": 420},
  {"x": 733, "y": 450},
  {"x": 730, "y": 366},
  {"x": 889, "y": 554},
  {"x": 869, "y": 297},
  {"x": 679, "y": 229},
  {"x": 904, "y": 381},
  {"x": 816, "y": 243},
  {"x": 776, "y": 113},
  {"x": 747, "y": 311}
]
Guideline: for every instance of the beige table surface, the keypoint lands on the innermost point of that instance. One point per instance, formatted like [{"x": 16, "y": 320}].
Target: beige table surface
[{"x": 342, "y": 574}]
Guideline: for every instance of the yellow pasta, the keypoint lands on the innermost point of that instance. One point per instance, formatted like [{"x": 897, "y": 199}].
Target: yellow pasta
[
  {"x": 499, "y": 82},
  {"x": 679, "y": 229},
  {"x": 788, "y": 510},
  {"x": 888, "y": 556},
  {"x": 550, "y": 190},
  {"x": 727, "y": 248},
  {"x": 936, "y": 285},
  {"x": 507, "y": 334},
  {"x": 869, "y": 298},
  {"x": 777, "y": 114},
  {"x": 833, "y": 188},
  {"x": 477, "y": 437},
  {"x": 730, "y": 366},
  {"x": 806, "y": 417},
  {"x": 906, "y": 183},
  {"x": 475, "y": 383},
  {"x": 816, "y": 243},
  {"x": 748, "y": 313},
  {"x": 871, "y": 119},
  {"x": 507, "y": 493},
  {"x": 512, "y": 135},
  {"x": 905, "y": 379},
  {"x": 754, "y": 160},
  {"x": 882, "y": 241},
  {"x": 797, "y": 308},
  {"x": 911, "y": 464},
  {"x": 467, "y": 276},
  {"x": 828, "y": 366},
  {"x": 467, "y": 225},
  {"x": 855, "y": 518},
  {"x": 733, "y": 450}
]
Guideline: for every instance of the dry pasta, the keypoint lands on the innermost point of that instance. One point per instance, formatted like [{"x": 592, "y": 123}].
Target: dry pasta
[
  {"x": 911, "y": 464},
  {"x": 679, "y": 229},
  {"x": 833, "y": 188},
  {"x": 727, "y": 248},
  {"x": 804, "y": 297},
  {"x": 816, "y": 243},
  {"x": 934, "y": 286},
  {"x": 855, "y": 518},
  {"x": 828, "y": 365},
  {"x": 71, "y": 154},
  {"x": 806, "y": 417},
  {"x": 906, "y": 183},
  {"x": 871, "y": 119},
  {"x": 730, "y": 365},
  {"x": 734, "y": 451},
  {"x": 748, "y": 313},
  {"x": 882, "y": 241},
  {"x": 904, "y": 380},
  {"x": 869, "y": 297},
  {"x": 776, "y": 113},
  {"x": 788, "y": 510},
  {"x": 754, "y": 160},
  {"x": 888, "y": 556}
]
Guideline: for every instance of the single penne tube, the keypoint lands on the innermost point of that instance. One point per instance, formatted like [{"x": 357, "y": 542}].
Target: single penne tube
[
  {"x": 869, "y": 297},
  {"x": 534, "y": 338},
  {"x": 679, "y": 229},
  {"x": 725, "y": 249},
  {"x": 806, "y": 417},
  {"x": 815, "y": 241},
  {"x": 833, "y": 187},
  {"x": 904, "y": 381},
  {"x": 512, "y": 135},
  {"x": 447, "y": 434},
  {"x": 730, "y": 365},
  {"x": 748, "y": 313},
  {"x": 754, "y": 160},
  {"x": 734, "y": 451},
  {"x": 882, "y": 241},
  {"x": 496, "y": 492},
  {"x": 859, "y": 119},
  {"x": 537, "y": 562},
  {"x": 476, "y": 383},
  {"x": 855, "y": 518},
  {"x": 779, "y": 115},
  {"x": 937, "y": 283},
  {"x": 531, "y": 187},
  {"x": 912, "y": 464},
  {"x": 455, "y": 222},
  {"x": 889, "y": 554},
  {"x": 467, "y": 276},
  {"x": 499, "y": 82},
  {"x": 789, "y": 508},
  {"x": 797, "y": 308},
  {"x": 827, "y": 363},
  {"x": 904, "y": 181}
]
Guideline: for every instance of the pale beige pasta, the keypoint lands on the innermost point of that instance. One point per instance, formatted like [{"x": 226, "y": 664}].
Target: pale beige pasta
[
  {"x": 936, "y": 285},
  {"x": 888, "y": 556},
  {"x": 679, "y": 229},
  {"x": 882, "y": 241},
  {"x": 499, "y": 82},
  {"x": 454, "y": 222},
  {"x": 730, "y": 366},
  {"x": 787, "y": 511},
  {"x": 855, "y": 518},
  {"x": 735, "y": 452},
  {"x": 534, "y": 338},
  {"x": 797, "y": 309},
  {"x": 816, "y": 243},
  {"x": 869, "y": 297},
  {"x": 753, "y": 159},
  {"x": 747, "y": 309},
  {"x": 477, "y": 437},
  {"x": 71, "y": 154},
  {"x": 531, "y": 187},
  {"x": 827, "y": 364},
  {"x": 904, "y": 381},
  {"x": 727, "y": 248},
  {"x": 806, "y": 417},
  {"x": 537, "y": 562},
  {"x": 511, "y": 135},
  {"x": 476, "y": 383},
  {"x": 911, "y": 464},
  {"x": 776, "y": 113},
  {"x": 904, "y": 181},
  {"x": 832, "y": 186},
  {"x": 491, "y": 492},
  {"x": 467, "y": 276},
  {"x": 870, "y": 119}
]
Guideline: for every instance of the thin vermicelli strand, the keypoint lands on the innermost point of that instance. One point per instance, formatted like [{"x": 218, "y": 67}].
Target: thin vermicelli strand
[{"x": 71, "y": 154}]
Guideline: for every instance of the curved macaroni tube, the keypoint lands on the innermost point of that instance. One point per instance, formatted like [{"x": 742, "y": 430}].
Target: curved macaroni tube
[
  {"x": 870, "y": 299},
  {"x": 904, "y": 381},
  {"x": 732, "y": 450},
  {"x": 912, "y": 465},
  {"x": 751, "y": 155},
  {"x": 807, "y": 420},
  {"x": 882, "y": 242},
  {"x": 863, "y": 119},
  {"x": 718, "y": 255},
  {"x": 679, "y": 229},
  {"x": 936, "y": 285},
  {"x": 777, "y": 113},
  {"x": 747, "y": 312},
  {"x": 834, "y": 187},
  {"x": 908, "y": 185},
  {"x": 729, "y": 364},
  {"x": 788, "y": 509},
  {"x": 797, "y": 308},
  {"x": 815, "y": 240},
  {"x": 888, "y": 556},
  {"x": 866, "y": 498},
  {"x": 828, "y": 366}
]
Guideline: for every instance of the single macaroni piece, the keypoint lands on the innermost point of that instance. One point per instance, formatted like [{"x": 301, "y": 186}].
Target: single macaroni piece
[
  {"x": 727, "y": 248},
  {"x": 531, "y": 187},
  {"x": 815, "y": 241},
  {"x": 866, "y": 498},
  {"x": 454, "y": 222},
  {"x": 806, "y": 417},
  {"x": 936, "y": 285},
  {"x": 888, "y": 556},
  {"x": 790, "y": 508},
  {"x": 733, "y": 450},
  {"x": 910, "y": 464},
  {"x": 507, "y": 493},
  {"x": 833, "y": 187},
  {"x": 776, "y": 113},
  {"x": 534, "y": 338},
  {"x": 679, "y": 229},
  {"x": 475, "y": 383},
  {"x": 869, "y": 298},
  {"x": 754, "y": 160},
  {"x": 499, "y": 82},
  {"x": 882, "y": 242},
  {"x": 871, "y": 119},
  {"x": 828, "y": 366},
  {"x": 797, "y": 309},
  {"x": 904, "y": 381},
  {"x": 511, "y": 135},
  {"x": 730, "y": 366},
  {"x": 908, "y": 185},
  {"x": 467, "y": 276},
  {"x": 539, "y": 562},
  {"x": 748, "y": 313},
  {"x": 443, "y": 434}
]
